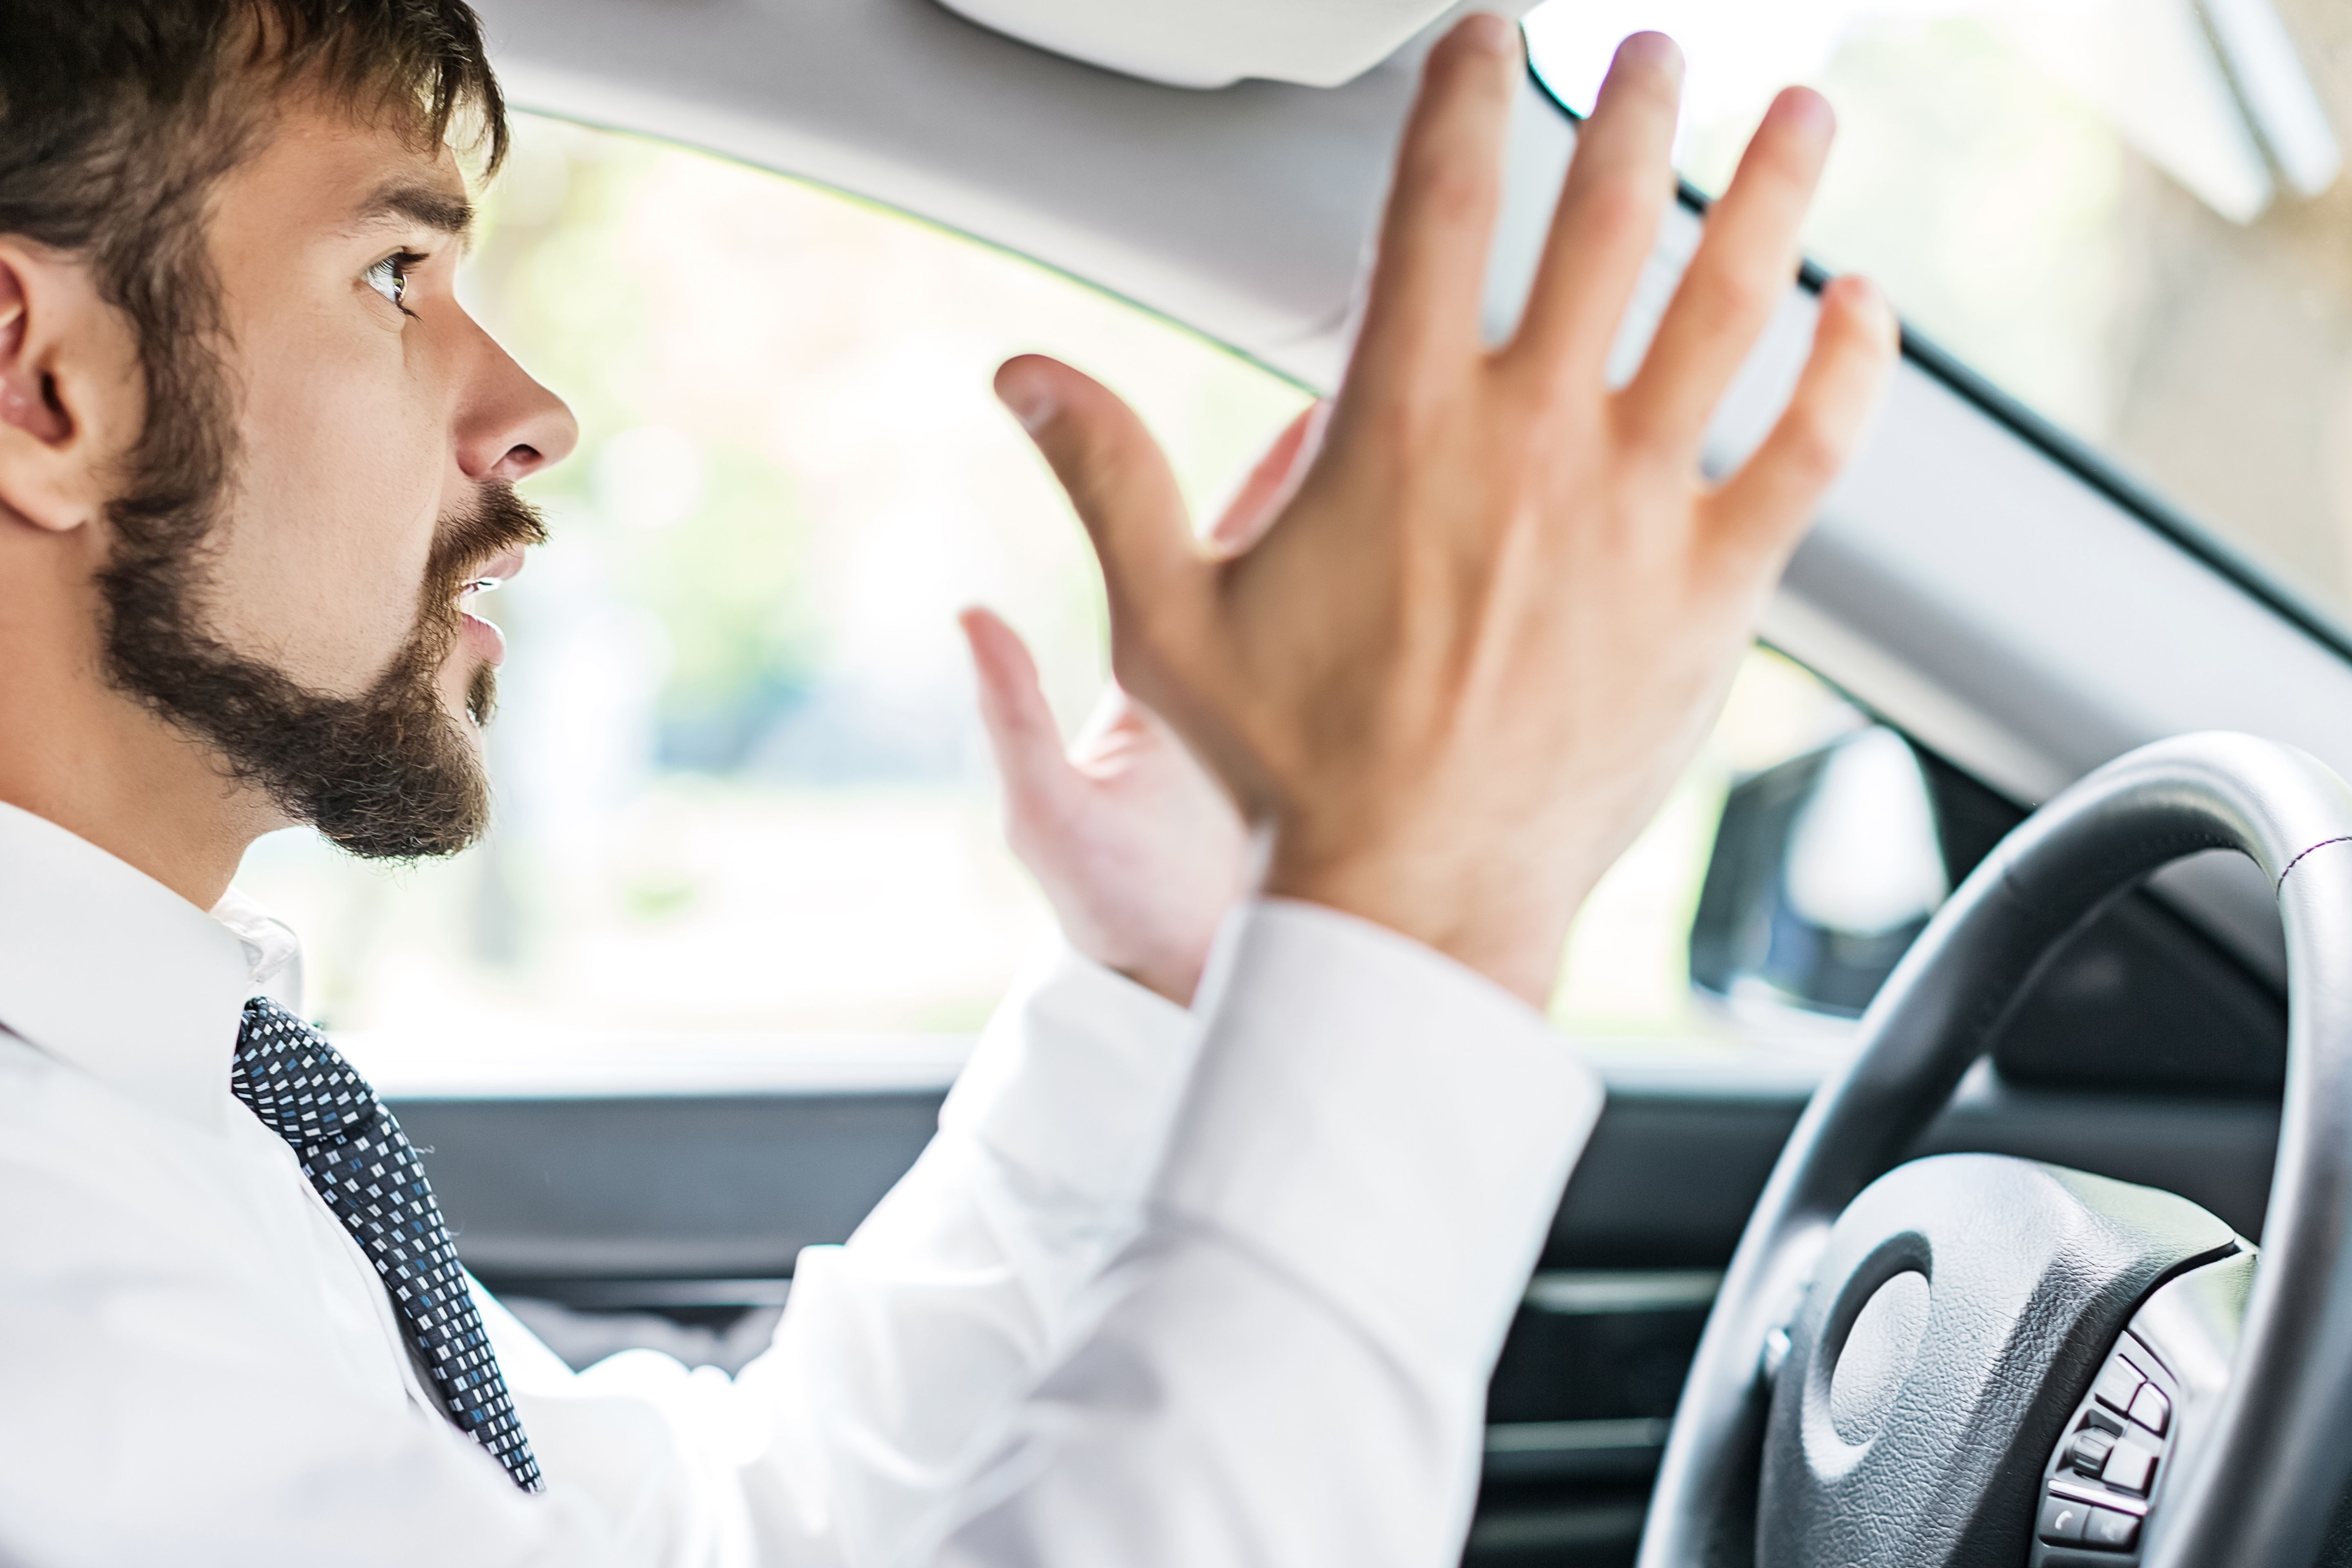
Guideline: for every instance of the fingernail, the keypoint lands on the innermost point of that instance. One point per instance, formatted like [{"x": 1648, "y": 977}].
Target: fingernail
[
  {"x": 1651, "y": 49},
  {"x": 1876, "y": 301},
  {"x": 1485, "y": 30},
  {"x": 1859, "y": 291},
  {"x": 1860, "y": 297},
  {"x": 1030, "y": 400},
  {"x": 1804, "y": 106}
]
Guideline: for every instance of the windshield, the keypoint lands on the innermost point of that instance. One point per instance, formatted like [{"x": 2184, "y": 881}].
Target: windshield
[{"x": 2126, "y": 212}]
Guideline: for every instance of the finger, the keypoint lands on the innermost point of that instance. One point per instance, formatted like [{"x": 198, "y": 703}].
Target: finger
[
  {"x": 1012, "y": 709},
  {"x": 1153, "y": 574},
  {"x": 1747, "y": 259},
  {"x": 1768, "y": 502},
  {"x": 1115, "y": 713},
  {"x": 1607, "y": 222},
  {"x": 1431, "y": 265},
  {"x": 1268, "y": 487}
]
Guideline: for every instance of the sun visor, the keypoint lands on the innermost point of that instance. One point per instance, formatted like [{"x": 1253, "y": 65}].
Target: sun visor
[{"x": 1215, "y": 43}]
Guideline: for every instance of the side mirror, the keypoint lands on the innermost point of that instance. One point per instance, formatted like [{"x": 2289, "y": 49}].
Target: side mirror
[{"x": 1824, "y": 869}]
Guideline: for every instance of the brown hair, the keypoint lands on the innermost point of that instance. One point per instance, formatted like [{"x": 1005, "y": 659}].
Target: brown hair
[{"x": 118, "y": 117}]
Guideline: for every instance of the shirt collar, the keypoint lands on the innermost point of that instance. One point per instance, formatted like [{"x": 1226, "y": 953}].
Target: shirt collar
[
  {"x": 273, "y": 954},
  {"x": 104, "y": 968}
]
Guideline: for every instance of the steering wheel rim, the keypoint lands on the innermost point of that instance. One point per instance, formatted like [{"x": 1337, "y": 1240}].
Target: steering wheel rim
[{"x": 2259, "y": 1492}]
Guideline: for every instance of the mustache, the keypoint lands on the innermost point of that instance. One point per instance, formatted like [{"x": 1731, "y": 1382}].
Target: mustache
[{"x": 495, "y": 520}]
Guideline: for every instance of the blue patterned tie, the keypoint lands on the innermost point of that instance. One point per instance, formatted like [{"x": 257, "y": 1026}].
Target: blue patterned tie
[{"x": 354, "y": 1153}]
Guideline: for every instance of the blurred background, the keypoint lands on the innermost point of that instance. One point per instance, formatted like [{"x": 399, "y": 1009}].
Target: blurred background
[
  {"x": 2127, "y": 214},
  {"x": 742, "y": 795}
]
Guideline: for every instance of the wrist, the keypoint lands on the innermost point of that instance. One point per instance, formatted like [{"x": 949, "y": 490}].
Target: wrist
[
  {"x": 1176, "y": 981},
  {"x": 1495, "y": 914},
  {"x": 1170, "y": 968}
]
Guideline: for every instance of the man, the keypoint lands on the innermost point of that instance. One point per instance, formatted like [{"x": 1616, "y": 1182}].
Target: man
[{"x": 1203, "y": 1288}]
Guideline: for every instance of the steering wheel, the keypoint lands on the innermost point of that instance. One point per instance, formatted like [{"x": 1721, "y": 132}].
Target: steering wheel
[{"x": 1972, "y": 1359}]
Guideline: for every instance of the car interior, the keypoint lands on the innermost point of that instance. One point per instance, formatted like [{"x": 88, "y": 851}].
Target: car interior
[{"x": 1994, "y": 606}]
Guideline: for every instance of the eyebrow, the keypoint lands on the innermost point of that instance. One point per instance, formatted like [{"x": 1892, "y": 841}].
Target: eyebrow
[{"x": 412, "y": 202}]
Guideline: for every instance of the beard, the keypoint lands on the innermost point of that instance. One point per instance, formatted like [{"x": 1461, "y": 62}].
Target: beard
[{"x": 390, "y": 773}]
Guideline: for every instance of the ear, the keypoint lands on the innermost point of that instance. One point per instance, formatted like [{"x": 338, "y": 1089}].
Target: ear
[{"x": 70, "y": 390}]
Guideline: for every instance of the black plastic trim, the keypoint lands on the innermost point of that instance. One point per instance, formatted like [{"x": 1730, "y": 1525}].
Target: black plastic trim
[{"x": 2102, "y": 474}]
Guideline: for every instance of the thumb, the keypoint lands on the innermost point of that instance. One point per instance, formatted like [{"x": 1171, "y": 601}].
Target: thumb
[
  {"x": 1270, "y": 484},
  {"x": 1154, "y": 575},
  {"x": 1012, "y": 708}
]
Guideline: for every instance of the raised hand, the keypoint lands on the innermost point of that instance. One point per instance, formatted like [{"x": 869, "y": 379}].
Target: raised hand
[
  {"x": 1139, "y": 850},
  {"x": 1494, "y": 617}
]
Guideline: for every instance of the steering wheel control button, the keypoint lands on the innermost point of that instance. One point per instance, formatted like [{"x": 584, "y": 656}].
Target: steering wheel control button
[
  {"x": 2062, "y": 1520},
  {"x": 2129, "y": 1466},
  {"x": 2115, "y": 1532},
  {"x": 2116, "y": 1385},
  {"x": 2100, "y": 1485},
  {"x": 1877, "y": 1356},
  {"x": 2091, "y": 1451},
  {"x": 2151, "y": 1409}
]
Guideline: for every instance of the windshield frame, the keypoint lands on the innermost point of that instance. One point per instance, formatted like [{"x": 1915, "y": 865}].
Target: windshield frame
[{"x": 2102, "y": 471}]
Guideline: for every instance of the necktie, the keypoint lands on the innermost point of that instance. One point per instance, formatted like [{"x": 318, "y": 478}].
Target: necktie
[{"x": 354, "y": 1151}]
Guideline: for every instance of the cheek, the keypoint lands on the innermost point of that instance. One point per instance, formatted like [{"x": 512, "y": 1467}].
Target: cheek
[{"x": 332, "y": 516}]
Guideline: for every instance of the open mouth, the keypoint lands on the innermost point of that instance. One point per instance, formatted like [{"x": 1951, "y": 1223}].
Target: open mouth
[{"x": 481, "y": 636}]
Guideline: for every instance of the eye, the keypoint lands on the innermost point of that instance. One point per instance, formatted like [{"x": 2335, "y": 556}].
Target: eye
[{"x": 389, "y": 278}]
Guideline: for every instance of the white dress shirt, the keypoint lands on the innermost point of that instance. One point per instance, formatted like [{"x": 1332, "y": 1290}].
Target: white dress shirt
[{"x": 1204, "y": 1289}]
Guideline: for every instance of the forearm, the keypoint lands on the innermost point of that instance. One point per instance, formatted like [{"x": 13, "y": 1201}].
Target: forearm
[
  {"x": 1289, "y": 1364},
  {"x": 904, "y": 1352}
]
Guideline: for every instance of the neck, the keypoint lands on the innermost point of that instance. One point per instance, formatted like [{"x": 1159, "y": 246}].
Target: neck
[{"x": 93, "y": 759}]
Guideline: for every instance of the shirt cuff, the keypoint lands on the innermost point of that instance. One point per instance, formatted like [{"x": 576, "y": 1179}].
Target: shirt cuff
[
  {"x": 1379, "y": 1122},
  {"x": 1077, "y": 1076}
]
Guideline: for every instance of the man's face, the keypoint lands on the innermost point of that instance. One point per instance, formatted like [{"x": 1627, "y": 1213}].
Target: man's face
[{"x": 312, "y": 627}]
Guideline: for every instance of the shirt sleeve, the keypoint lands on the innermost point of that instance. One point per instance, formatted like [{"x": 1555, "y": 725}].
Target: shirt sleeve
[
  {"x": 1146, "y": 1300},
  {"x": 1289, "y": 1363},
  {"x": 901, "y": 1354}
]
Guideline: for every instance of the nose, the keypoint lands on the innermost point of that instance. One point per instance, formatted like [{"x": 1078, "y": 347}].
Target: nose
[{"x": 509, "y": 425}]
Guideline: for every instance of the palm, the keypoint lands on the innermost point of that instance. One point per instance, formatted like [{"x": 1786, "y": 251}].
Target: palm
[{"x": 1139, "y": 851}]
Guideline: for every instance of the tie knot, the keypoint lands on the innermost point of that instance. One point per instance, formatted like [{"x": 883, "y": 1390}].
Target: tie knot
[{"x": 290, "y": 1078}]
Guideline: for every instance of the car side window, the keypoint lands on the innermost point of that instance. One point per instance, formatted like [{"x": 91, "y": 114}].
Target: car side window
[
  {"x": 740, "y": 787},
  {"x": 1794, "y": 862},
  {"x": 740, "y": 784}
]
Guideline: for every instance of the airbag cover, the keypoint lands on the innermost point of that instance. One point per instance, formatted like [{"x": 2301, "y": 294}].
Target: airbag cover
[{"x": 1960, "y": 1307}]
